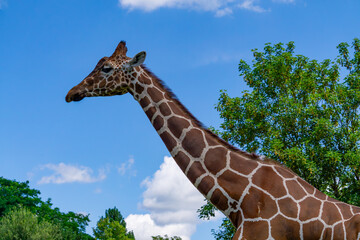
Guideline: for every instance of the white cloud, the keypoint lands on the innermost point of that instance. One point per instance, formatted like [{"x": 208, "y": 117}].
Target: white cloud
[
  {"x": 249, "y": 5},
  {"x": 144, "y": 227},
  {"x": 172, "y": 202},
  {"x": 63, "y": 173},
  {"x": 219, "y": 7},
  {"x": 223, "y": 12},
  {"x": 150, "y": 5},
  {"x": 127, "y": 167}
]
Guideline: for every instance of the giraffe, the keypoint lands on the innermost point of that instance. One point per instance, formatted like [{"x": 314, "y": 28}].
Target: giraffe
[{"x": 262, "y": 198}]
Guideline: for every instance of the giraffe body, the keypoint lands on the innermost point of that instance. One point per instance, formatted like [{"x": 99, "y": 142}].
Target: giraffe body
[{"x": 263, "y": 199}]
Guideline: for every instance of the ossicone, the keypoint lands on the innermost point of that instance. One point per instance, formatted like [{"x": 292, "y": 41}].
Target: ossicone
[{"x": 121, "y": 49}]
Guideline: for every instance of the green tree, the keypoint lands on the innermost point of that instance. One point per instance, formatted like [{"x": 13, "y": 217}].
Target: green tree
[
  {"x": 225, "y": 231},
  {"x": 73, "y": 225},
  {"x": 166, "y": 237},
  {"x": 114, "y": 215},
  {"x": 301, "y": 113},
  {"x": 21, "y": 223},
  {"x": 14, "y": 194},
  {"x": 112, "y": 227}
]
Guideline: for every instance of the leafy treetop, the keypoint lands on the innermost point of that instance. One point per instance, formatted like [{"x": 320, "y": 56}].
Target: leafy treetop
[{"x": 14, "y": 194}]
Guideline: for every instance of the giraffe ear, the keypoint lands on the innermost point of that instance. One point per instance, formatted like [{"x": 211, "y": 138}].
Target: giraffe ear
[{"x": 137, "y": 60}]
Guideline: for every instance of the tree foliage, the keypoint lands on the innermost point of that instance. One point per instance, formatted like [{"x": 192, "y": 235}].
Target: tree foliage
[
  {"x": 14, "y": 194},
  {"x": 21, "y": 223},
  {"x": 225, "y": 231},
  {"x": 112, "y": 227},
  {"x": 301, "y": 113}
]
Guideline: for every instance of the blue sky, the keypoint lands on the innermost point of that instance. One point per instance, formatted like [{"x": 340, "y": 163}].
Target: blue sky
[{"x": 103, "y": 152}]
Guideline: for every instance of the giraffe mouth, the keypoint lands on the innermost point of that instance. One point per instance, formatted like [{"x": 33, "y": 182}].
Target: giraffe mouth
[{"x": 74, "y": 97}]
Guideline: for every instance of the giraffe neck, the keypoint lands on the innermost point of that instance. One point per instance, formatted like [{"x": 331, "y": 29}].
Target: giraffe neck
[
  {"x": 252, "y": 193},
  {"x": 201, "y": 155}
]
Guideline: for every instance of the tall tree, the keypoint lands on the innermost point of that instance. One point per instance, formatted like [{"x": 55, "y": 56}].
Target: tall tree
[
  {"x": 21, "y": 223},
  {"x": 301, "y": 113},
  {"x": 114, "y": 215},
  {"x": 112, "y": 227},
  {"x": 14, "y": 194}
]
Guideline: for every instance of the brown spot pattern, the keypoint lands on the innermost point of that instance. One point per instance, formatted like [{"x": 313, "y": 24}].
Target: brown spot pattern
[
  {"x": 338, "y": 231},
  {"x": 242, "y": 165},
  {"x": 175, "y": 109},
  {"x": 235, "y": 218},
  {"x": 214, "y": 160},
  {"x": 295, "y": 190},
  {"x": 284, "y": 172},
  {"x": 164, "y": 109},
  {"x": 102, "y": 84},
  {"x": 260, "y": 229},
  {"x": 313, "y": 230},
  {"x": 144, "y": 79},
  {"x": 352, "y": 227},
  {"x": 233, "y": 184},
  {"x": 330, "y": 213},
  {"x": 158, "y": 122},
  {"x": 356, "y": 209},
  {"x": 308, "y": 188},
  {"x": 182, "y": 160},
  {"x": 288, "y": 207},
  {"x": 333, "y": 200},
  {"x": 309, "y": 208},
  {"x": 155, "y": 94},
  {"x": 195, "y": 170},
  {"x": 177, "y": 125},
  {"x": 144, "y": 102},
  {"x": 139, "y": 88},
  {"x": 284, "y": 229},
  {"x": 345, "y": 210},
  {"x": 219, "y": 200},
  {"x": 206, "y": 184},
  {"x": 327, "y": 233},
  {"x": 210, "y": 140},
  {"x": 168, "y": 140},
  {"x": 258, "y": 204},
  {"x": 319, "y": 195},
  {"x": 267, "y": 179},
  {"x": 193, "y": 143},
  {"x": 150, "y": 112}
]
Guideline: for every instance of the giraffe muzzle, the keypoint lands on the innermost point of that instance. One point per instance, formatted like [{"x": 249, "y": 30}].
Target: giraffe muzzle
[{"x": 74, "y": 97}]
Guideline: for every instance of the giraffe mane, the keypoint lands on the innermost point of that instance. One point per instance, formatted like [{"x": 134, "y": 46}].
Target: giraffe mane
[{"x": 252, "y": 156}]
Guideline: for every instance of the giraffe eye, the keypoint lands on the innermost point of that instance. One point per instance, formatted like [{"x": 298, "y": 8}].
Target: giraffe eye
[{"x": 106, "y": 69}]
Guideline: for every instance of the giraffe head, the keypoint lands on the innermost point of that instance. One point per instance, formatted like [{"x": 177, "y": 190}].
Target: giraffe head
[{"x": 111, "y": 76}]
